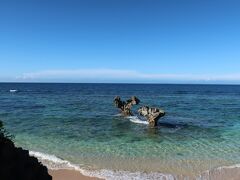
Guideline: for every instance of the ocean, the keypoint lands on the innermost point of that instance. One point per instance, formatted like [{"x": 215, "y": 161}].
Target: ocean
[{"x": 76, "y": 126}]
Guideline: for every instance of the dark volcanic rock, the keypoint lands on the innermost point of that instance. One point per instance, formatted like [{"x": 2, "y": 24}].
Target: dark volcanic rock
[
  {"x": 152, "y": 114},
  {"x": 16, "y": 164}
]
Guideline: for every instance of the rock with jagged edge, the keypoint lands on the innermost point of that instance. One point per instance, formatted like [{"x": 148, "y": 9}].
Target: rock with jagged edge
[
  {"x": 151, "y": 114},
  {"x": 126, "y": 107}
]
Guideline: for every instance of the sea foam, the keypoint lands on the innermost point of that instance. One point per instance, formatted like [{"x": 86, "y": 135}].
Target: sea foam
[
  {"x": 221, "y": 173},
  {"x": 13, "y": 90},
  {"x": 137, "y": 120},
  {"x": 54, "y": 163}
]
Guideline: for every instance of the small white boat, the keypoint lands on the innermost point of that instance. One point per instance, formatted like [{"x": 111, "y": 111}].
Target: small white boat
[{"x": 13, "y": 90}]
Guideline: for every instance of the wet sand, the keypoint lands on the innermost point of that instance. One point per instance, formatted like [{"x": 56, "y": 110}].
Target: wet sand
[
  {"x": 224, "y": 173},
  {"x": 64, "y": 174}
]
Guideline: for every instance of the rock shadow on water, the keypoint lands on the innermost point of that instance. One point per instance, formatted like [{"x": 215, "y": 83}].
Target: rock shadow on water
[{"x": 167, "y": 125}]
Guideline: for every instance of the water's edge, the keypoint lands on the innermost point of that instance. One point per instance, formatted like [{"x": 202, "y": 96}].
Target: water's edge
[
  {"x": 79, "y": 125},
  {"x": 54, "y": 163}
]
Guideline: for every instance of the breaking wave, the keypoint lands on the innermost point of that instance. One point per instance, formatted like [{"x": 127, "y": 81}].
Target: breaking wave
[
  {"x": 54, "y": 163},
  {"x": 137, "y": 120},
  {"x": 221, "y": 173},
  {"x": 13, "y": 90}
]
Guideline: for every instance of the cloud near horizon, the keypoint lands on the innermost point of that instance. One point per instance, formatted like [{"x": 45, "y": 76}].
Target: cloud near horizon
[{"x": 121, "y": 75}]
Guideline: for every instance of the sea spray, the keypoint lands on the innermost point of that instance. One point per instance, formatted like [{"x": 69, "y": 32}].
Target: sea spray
[{"x": 136, "y": 119}]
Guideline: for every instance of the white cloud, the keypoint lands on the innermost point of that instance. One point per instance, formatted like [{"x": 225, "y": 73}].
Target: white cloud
[
  {"x": 79, "y": 73},
  {"x": 124, "y": 75}
]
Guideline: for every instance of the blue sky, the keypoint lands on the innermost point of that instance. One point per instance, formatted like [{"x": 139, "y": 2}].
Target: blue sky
[{"x": 188, "y": 41}]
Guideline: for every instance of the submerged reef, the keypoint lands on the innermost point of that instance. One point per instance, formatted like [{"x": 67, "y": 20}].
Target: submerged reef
[
  {"x": 16, "y": 164},
  {"x": 150, "y": 113}
]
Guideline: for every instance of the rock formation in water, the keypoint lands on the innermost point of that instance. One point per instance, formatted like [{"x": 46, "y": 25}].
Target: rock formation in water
[
  {"x": 151, "y": 114},
  {"x": 125, "y": 107},
  {"x": 16, "y": 164}
]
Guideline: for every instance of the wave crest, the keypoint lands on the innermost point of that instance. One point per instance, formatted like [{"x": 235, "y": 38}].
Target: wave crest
[
  {"x": 53, "y": 162},
  {"x": 221, "y": 173},
  {"x": 137, "y": 120}
]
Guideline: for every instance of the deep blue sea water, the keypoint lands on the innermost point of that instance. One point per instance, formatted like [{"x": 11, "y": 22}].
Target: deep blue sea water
[{"x": 79, "y": 124}]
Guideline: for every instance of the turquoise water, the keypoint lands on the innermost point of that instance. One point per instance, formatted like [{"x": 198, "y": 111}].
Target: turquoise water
[{"x": 78, "y": 123}]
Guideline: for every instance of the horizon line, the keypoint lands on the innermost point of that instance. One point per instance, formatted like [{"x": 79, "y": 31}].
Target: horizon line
[{"x": 140, "y": 83}]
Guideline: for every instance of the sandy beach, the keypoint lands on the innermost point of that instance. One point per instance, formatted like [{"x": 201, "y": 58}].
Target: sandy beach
[
  {"x": 223, "y": 173},
  {"x": 64, "y": 174},
  {"x": 216, "y": 174}
]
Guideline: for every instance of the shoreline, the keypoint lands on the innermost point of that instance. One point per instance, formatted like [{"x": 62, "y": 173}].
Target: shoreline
[
  {"x": 220, "y": 173},
  {"x": 63, "y": 169},
  {"x": 63, "y": 174}
]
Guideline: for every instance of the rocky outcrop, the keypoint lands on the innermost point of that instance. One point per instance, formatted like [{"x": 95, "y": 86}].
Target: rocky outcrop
[
  {"x": 16, "y": 164},
  {"x": 151, "y": 114},
  {"x": 126, "y": 107}
]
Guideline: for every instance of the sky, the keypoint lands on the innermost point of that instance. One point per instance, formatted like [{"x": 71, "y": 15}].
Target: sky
[{"x": 133, "y": 41}]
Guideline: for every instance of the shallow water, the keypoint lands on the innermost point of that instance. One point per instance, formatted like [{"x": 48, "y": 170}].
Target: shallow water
[{"x": 78, "y": 123}]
